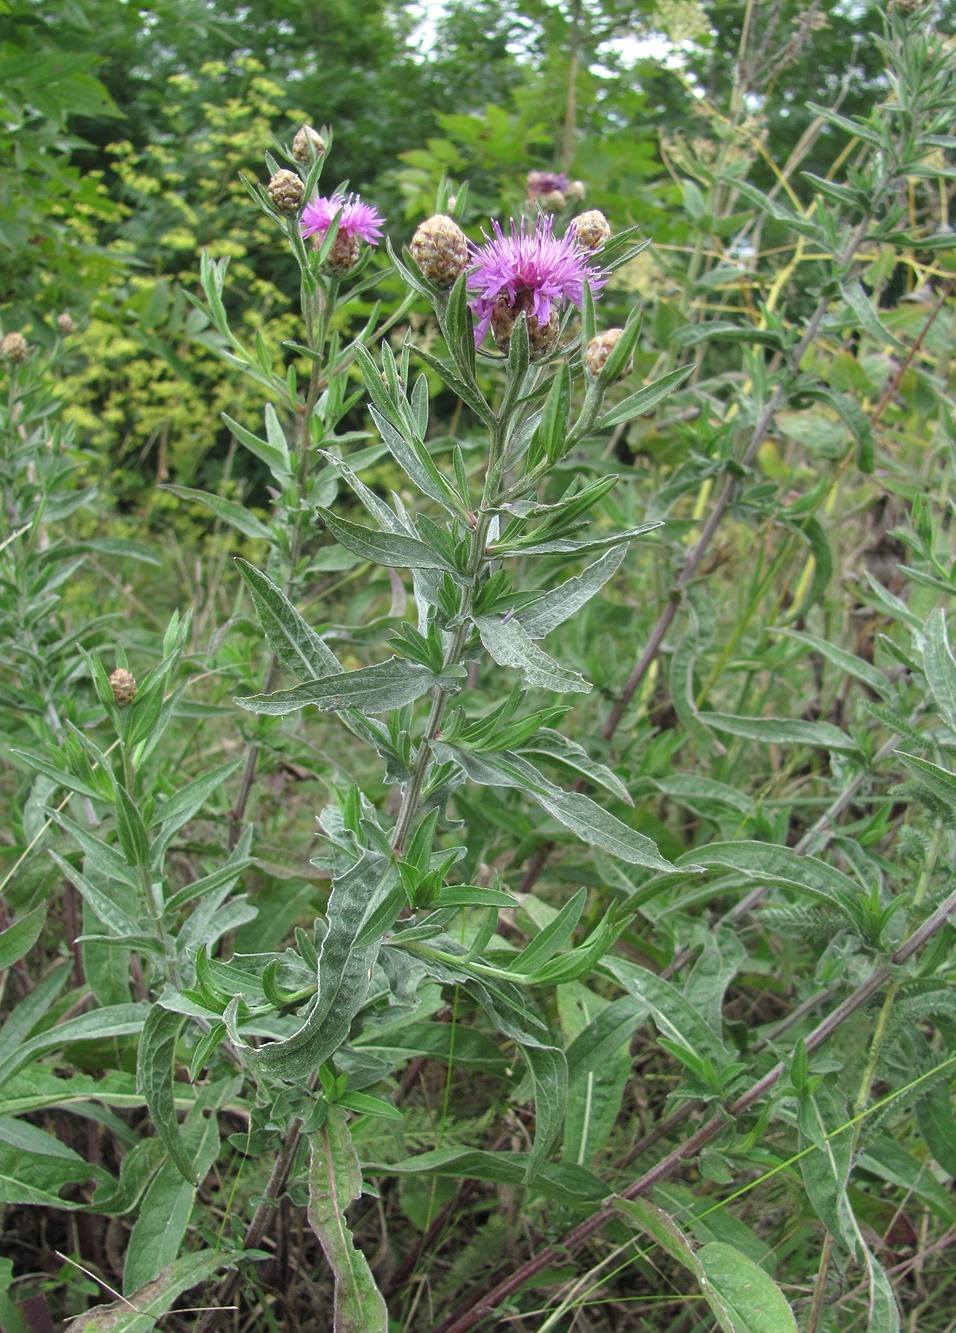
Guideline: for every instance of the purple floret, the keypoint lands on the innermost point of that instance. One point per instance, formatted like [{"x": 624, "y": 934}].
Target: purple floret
[{"x": 357, "y": 219}]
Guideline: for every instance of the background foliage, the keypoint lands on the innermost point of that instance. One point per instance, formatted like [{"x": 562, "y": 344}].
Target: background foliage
[{"x": 739, "y": 1110}]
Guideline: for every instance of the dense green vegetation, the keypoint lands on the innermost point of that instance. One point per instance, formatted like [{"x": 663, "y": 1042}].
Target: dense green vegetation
[{"x": 480, "y": 817}]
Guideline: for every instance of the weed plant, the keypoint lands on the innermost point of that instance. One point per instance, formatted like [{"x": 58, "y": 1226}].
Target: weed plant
[{"x": 638, "y": 1013}]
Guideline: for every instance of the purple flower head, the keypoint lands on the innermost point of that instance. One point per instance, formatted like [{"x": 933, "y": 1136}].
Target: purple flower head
[
  {"x": 357, "y": 220},
  {"x": 543, "y": 182},
  {"x": 530, "y": 273}
]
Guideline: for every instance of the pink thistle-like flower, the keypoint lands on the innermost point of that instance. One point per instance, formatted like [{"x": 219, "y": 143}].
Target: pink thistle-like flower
[
  {"x": 530, "y": 273},
  {"x": 358, "y": 220}
]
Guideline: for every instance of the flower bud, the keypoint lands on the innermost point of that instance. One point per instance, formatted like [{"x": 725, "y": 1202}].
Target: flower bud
[
  {"x": 14, "y": 348},
  {"x": 551, "y": 201},
  {"x": 575, "y": 191},
  {"x": 123, "y": 686},
  {"x": 600, "y": 348},
  {"x": 286, "y": 191},
  {"x": 440, "y": 249},
  {"x": 307, "y": 145},
  {"x": 64, "y": 324},
  {"x": 590, "y": 229}
]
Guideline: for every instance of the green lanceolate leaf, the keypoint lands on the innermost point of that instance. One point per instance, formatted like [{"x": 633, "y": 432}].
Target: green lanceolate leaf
[
  {"x": 746, "y": 1296},
  {"x": 869, "y": 321},
  {"x": 274, "y": 452},
  {"x": 742, "y": 1297},
  {"x": 19, "y": 938},
  {"x": 568, "y": 545},
  {"x": 813, "y": 533},
  {"x": 35, "y": 1167},
  {"x": 116, "y": 921},
  {"x": 564, "y": 1182},
  {"x": 844, "y": 661},
  {"x": 940, "y": 781},
  {"x": 417, "y": 464},
  {"x": 297, "y": 646},
  {"x": 782, "y": 731},
  {"x": 375, "y": 689},
  {"x": 236, "y": 515},
  {"x": 154, "y": 1078},
  {"x": 131, "y": 830},
  {"x": 549, "y": 1074},
  {"x": 335, "y": 1180},
  {"x": 642, "y": 401},
  {"x": 509, "y": 645},
  {"x": 575, "y": 811},
  {"x": 780, "y": 865},
  {"x": 674, "y": 1016},
  {"x": 117, "y": 1020},
  {"x": 574, "y": 760}
]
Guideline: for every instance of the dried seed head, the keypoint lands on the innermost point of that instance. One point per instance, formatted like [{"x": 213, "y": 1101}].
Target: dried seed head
[
  {"x": 123, "y": 686},
  {"x": 590, "y": 229},
  {"x": 440, "y": 249},
  {"x": 14, "y": 348},
  {"x": 600, "y": 348},
  {"x": 575, "y": 191},
  {"x": 307, "y": 145},
  {"x": 64, "y": 324},
  {"x": 286, "y": 191}
]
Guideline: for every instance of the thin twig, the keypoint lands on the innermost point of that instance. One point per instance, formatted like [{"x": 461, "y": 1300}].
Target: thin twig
[{"x": 227, "y": 1288}]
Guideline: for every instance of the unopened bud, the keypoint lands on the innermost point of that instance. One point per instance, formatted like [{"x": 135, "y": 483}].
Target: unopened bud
[
  {"x": 440, "y": 249},
  {"x": 344, "y": 254},
  {"x": 600, "y": 348},
  {"x": 64, "y": 324},
  {"x": 286, "y": 191},
  {"x": 14, "y": 348},
  {"x": 590, "y": 229},
  {"x": 307, "y": 145},
  {"x": 551, "y": 201},
  {"x": 575, "y": 191},
  {"x": 123, "y": 686}
]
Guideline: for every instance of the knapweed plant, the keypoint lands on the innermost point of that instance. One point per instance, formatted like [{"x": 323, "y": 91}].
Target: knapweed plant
[{"x": 479, "y": 539}]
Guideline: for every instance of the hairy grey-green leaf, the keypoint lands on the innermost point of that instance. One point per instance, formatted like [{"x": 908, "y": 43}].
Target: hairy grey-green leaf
[
  {"x": 344, "y": 972},
  {"x": 509, "y": 645},
  {"x": 558, "y": 605},
  {"x": 335, "y": 1181},
  {"x": 939, "y": 665},
  {"x": 782, "y": 731},
  {"x": 575, "y": 811},
  {"x": 297, "y": 646},
  {"x": 374, "y": 689},
  {"x": 391, "y": 549},
  {"x": 155, "y": 1065}
]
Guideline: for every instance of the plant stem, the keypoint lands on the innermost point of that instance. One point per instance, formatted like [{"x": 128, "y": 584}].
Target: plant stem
[{"x": 271, "y": 1197}]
